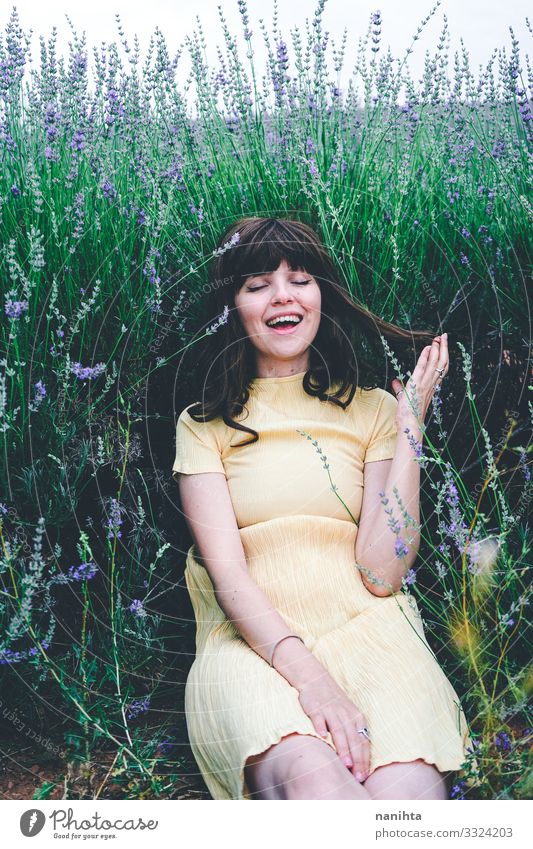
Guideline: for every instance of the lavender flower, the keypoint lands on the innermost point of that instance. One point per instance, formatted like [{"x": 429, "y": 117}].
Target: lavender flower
[
  {"x": 14, "y": 309},
  {"x": 40, "y": 394},
  {"x": 227, "y": 245},
  {"x": 78, "y": 141},
  {"x": 115, "y": 520},
  {"x": 457, "y": 790},
  {"x": 410, "y": 578},
  {"x": 502, "y": 741},
  {"x": 83, "y": 572},
  {"x": 15, "y": 191},
  {"x": 137, "y": 707},
  {"x": 313, "y": 170},
  {"x": 108, "y": 190},
  {"x": 222, "y": 319},
  {"x": 165, "y": 747},
  {"x": 136, "y": 607},
  {"x": 400, "y": 547},
  {"x": 87, "y": 373}
]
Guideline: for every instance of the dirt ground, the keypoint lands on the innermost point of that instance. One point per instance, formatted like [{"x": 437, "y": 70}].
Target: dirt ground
[{"x": 27, "y": 771}]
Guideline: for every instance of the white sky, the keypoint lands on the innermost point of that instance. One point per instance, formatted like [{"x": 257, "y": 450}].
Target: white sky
[{"x": 483, "y": 25}]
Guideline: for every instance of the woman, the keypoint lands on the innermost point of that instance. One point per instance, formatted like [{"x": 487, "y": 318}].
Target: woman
[{"x": 312, "y": 677}]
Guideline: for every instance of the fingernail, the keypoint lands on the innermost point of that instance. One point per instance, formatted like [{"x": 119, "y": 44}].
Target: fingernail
[
  {"x": 347, "y": 762},
  {"x": 359, "y": 776}
]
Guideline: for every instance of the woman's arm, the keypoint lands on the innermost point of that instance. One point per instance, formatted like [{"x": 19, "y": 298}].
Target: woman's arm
[
  {"x": 375, "y": 544},
  {"x": 210, "y": 516},
  {"x": 377, "y": 548}
]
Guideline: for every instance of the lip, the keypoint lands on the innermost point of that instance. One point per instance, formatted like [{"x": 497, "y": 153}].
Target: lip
[{"x": 281, "y": 331}]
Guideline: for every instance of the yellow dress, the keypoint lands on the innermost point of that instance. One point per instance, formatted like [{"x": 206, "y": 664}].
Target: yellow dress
[{"x": 299, "y": 542}]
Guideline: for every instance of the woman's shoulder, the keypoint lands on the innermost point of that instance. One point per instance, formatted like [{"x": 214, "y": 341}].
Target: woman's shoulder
[
  {"x": 196, "y": 408},
  {"x": 370, "y": 405}
]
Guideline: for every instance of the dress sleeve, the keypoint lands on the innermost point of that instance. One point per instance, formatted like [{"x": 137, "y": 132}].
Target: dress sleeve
[
  {"x": 197, "y": 447},
  {"x": 382, "y": 441}
]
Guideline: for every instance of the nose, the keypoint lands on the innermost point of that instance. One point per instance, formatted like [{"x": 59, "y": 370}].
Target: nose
[{"x": 282, "y": 294}]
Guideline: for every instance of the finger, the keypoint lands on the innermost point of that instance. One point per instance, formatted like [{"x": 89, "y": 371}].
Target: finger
[
  {"x": 434, "y": 350},
  {"x": 360, "y": 752},
  {"x": 341, "y": 745}
]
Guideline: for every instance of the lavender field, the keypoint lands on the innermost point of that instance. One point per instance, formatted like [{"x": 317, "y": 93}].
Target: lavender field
[{"x": 119, "y": 173}]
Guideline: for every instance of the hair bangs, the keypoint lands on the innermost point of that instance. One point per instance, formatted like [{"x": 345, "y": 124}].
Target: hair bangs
[{"x": 266, "y": 247}]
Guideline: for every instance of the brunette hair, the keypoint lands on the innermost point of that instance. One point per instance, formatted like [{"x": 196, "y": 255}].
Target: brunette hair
[{"x": 346, "y": 344}]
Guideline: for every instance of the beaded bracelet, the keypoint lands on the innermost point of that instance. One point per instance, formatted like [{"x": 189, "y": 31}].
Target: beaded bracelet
[{"x": 276, "y": 644}]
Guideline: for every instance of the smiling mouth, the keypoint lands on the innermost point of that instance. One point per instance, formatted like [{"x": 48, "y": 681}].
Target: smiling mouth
[{"x": 285, "y": 326}]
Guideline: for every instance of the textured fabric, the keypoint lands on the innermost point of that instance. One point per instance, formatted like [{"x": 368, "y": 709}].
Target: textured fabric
[{"x": 299, "y": 542}]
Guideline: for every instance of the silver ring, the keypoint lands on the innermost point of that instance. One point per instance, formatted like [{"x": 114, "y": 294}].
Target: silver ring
[
  {"x": 440, "y": 370},
  {"x": 364, "y": 731},
  {"x": 399, "y": 392}
]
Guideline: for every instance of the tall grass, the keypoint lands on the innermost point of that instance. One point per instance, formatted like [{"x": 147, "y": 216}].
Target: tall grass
[{"x": 113, "y": 192}]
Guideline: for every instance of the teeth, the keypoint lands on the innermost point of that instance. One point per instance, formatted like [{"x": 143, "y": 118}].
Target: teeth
[{"x": 284, "y": 318}]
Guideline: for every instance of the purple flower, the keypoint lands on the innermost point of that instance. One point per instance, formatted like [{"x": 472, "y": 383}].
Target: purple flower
[
  {"x": 78, "y": 141},
  {"x": 502, "y": 741},
  {"x": 115, "y": 519},
  {"x": 312, "y": 168},
  {"x": 475, "y": 745},
  {"x": 83, "y": 572},
  {"x": 40, "y": 394},
  {"x": 15, "y": 191},
  {"x": 457, "y": 790},
  {"x": 41, "y": 389},
  {"x": 14, "y": 309},
  {"x": 136, "y": 607},
  {"x": 108, "y": 190},
  {"x": 166, "y": 746},
  {"x": 87, "y": 373},
  {"x": 464, "y": 259},
  {"x": 400, "y": 547},
  {"x": 465, "y": 233},
  {"x": 410, "y": 578},
  {"x": 138, "y": 706},
  {"x": 453, "y": 497}
]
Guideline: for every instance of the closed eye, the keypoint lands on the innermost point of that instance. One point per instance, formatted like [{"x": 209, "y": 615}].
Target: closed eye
[{"x": 295, "y": 282}]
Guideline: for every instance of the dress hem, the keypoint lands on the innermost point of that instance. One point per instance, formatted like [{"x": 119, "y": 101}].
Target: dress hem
[{"x": 275, "y": 738}]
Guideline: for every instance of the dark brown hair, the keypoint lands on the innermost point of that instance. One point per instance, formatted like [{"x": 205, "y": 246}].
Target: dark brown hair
[{"x": 348, "y": 338}]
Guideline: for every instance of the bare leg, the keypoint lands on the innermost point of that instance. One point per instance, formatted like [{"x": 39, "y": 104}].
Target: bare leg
[
  {"x": 301, "y": 766},
  {"x": 410, "y": 780}
]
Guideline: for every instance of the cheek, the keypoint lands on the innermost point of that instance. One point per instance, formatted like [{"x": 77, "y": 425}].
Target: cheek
[{"x": 250, "y": 314}]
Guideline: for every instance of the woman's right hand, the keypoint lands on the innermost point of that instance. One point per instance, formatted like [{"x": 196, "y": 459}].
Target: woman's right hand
[{"x": 330, "y": 709}]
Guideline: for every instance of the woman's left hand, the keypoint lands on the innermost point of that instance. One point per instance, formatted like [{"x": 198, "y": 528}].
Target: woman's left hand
[{"x": 421, "y": 385}]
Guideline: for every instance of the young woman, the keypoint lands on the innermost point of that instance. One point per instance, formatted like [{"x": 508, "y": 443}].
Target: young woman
[{"x": 312, "y": 678}]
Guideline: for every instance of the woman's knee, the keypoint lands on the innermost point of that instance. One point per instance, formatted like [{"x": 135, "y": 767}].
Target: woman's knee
[
  {"x": 407, "y": 780},
  {"x": 300, "y": 767},
  {"x": 268, "y": 772}
]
